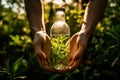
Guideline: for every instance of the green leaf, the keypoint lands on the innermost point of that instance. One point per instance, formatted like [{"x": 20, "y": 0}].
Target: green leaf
[
  {"x": 7, "y": 65},
  {"x": 16, "y": 64},
  {"x": 55, "y": 77},
  {"x": 15, "y": 40},
  {"x": 112, "y": 35}
]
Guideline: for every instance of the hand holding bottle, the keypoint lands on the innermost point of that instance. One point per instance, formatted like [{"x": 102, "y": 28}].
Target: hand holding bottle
[
  {"x": 78, "y": 44},
  {"x": 41, "y": 44},
  {"x": 58, "y": 59}
]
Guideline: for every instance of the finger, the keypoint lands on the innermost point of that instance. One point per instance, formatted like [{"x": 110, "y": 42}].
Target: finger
[
  {"x": 38, "y": 50},
  {"x": 71, "y": 60},
  {"x": 74, "y": 65},
  {"x": 45, "y": 66},
  {"x": 80, "y": 51},
  {"x": 40, "y": 54},
  {"x": 82, "y": 45},
  {"x": 46, "y": 48},
  {"x": 73, "y": 46},
  {"x": 48, "y": 68},
  {"x": 77, "y": 55},
  {"x": 75, "y": 59}
]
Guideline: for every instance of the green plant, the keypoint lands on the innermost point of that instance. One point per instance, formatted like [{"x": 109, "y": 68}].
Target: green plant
[
  {"x": 14, "y": 70},
  {"x": 59, "y": 52}
]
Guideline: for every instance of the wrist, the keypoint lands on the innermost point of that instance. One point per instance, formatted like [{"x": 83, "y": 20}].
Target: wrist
[
  {"x": 36, "y": 29},
  {"x": 86, "y": 29},
  {"x": 39, "y": 35},
  {"x": 83, "y": 36}
]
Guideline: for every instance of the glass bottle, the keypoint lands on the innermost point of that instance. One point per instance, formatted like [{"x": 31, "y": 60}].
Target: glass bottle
[{"x": 60, "y": 34}]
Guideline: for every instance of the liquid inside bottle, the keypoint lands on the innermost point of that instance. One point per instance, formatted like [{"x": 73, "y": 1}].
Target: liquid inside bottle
[{"x": 60, "y": 34}]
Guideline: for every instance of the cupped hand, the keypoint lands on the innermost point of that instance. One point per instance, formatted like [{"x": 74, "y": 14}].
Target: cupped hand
[
  {"x": 78, "y": 44},
  {"x": 41, "y": 43}
]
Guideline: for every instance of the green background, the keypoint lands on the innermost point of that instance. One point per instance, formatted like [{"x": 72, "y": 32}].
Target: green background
[{"x": 101, "y": 59}]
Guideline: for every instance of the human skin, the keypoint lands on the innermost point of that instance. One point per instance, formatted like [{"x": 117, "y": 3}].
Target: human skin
[
  {"x": 93, "y": 13},
  {"x": 78, "y": 42}
]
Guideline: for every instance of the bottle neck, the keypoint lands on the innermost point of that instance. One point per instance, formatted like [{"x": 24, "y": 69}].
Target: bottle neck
[{"x": 60, "y": 16}]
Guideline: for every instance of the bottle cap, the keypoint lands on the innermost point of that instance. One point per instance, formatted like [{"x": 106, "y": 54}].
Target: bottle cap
[{"x": 60, "y": 9}]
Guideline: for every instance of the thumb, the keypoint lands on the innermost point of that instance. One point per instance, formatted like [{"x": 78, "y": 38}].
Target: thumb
[
  {"x": 77, "y": 55},
  {"x": 40, "y": 54},
  {"x": 38, "y": 45},
  {"x": 82, "y": 45},
  {"x": 79, "y": 52}
]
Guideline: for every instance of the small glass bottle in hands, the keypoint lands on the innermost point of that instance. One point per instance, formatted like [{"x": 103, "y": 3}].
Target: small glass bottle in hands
[{"x": 60, "y": 34}]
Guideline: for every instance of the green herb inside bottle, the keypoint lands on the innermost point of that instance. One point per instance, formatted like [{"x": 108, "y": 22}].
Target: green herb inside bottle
[
  {"x": 59, "y": 52},
  {"x": 60, "y": 34}
]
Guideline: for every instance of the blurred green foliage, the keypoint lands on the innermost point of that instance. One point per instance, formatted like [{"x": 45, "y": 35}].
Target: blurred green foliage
[{"x": 17, "y": 57}]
